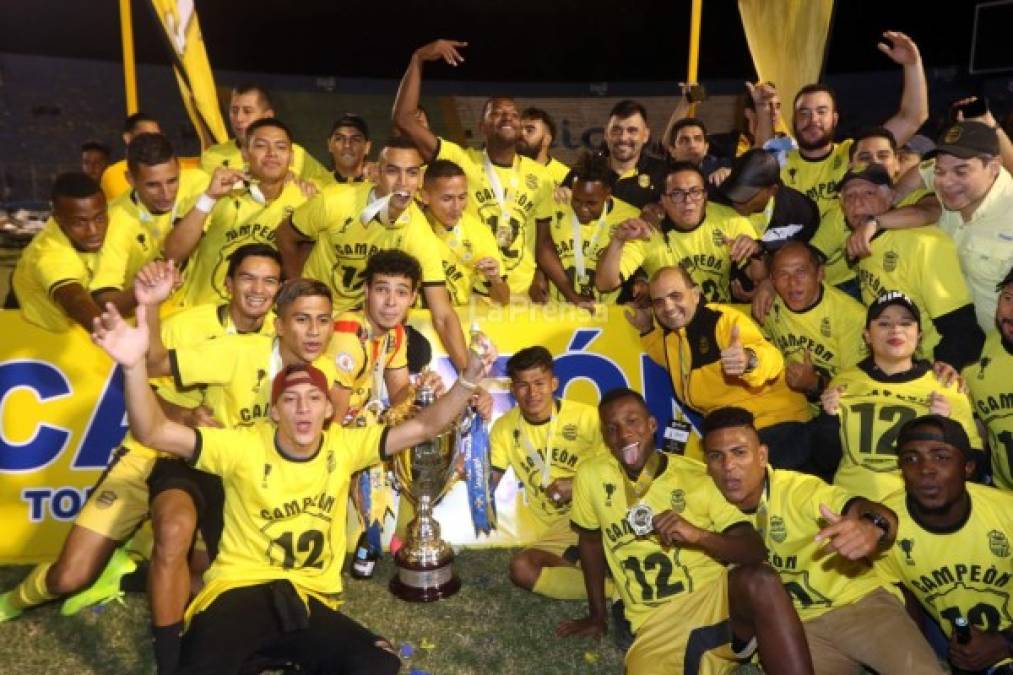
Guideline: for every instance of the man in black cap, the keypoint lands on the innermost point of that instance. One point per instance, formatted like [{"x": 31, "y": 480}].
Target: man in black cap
[
  {"x": 921, "y": 263},
  {"x": 976, "y": 192},
  {"x": 952, "y": 551},
  {"x": 349, "y": 145},
  {"x": 779, "y": 213}
]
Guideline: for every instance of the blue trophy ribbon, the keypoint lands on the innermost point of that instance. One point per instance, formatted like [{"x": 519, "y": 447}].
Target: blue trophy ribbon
[{"x": 474, "y": 440}]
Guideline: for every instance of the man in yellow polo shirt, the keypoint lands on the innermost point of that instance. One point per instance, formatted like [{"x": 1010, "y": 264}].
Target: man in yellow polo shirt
[
  {"x": 114, "y": 179},
  {"x": 52, "y": 280},
  {"x": 140, "y": 219},
  {"x": 706, "y": 239},
  {"x": 224, "y": 218},
  {"x": 331, "y": 237},
  {"x": 250, "y": 102},
  {"x": 508, "y": 192},
  {"x": 845, "y": 606}
]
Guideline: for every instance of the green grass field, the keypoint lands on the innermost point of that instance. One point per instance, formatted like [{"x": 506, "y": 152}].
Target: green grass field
[{"x": 489, "y": 627}]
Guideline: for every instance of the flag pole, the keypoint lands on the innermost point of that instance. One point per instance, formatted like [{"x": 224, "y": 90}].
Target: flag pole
[
  {"x": 692, "y": 69},
  {"x": 129, "y": 70}
]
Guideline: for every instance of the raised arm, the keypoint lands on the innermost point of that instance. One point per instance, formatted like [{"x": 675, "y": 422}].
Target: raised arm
[
  {"x": 407, "y": 100},
  {"x": 608, "y": 274},
  {"x": 914, "y": 101},
  {"x": 153, "y": 285},
  {"x": 438, "y": 416},
  {"x": 186, "y": 234},
  {"x": 127, "y": 346}
]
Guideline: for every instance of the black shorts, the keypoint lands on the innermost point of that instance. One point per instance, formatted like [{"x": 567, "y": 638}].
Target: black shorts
[
  {"x": 204, "y": 489},
  {"x": 268, "y": 625}
]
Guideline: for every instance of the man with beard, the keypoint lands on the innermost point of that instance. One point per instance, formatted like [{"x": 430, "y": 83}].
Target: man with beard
[
  {"x": 818, "y": 164},
  {"x": 249, "y": 103},
  {"x": 225, "y": 218},
  {"x": 140, "y": 219},
  {"x": 992, "y": 387},
  {"x": 952, "y": 551},
  {"x": 349, "y": 146},
  {"x": 538, "y": 131},
  {"x": 508, "y": 192}
]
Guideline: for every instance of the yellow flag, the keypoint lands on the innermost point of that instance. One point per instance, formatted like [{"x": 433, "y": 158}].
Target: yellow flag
[
  {"x": 787, "y": 39},
  {"x": 178, "y": 18}
]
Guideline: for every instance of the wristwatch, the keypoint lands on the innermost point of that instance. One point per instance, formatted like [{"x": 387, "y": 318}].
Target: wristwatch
[
  {"x": 879, "y": 521},
  {"x": 752, "y": 361}
]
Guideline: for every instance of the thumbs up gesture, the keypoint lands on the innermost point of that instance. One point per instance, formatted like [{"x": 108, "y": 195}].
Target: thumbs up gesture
[
  {"x": 734, "y": 359},
  {"x": 849, "y": 536},
  {"x": 802, "y": 377}
]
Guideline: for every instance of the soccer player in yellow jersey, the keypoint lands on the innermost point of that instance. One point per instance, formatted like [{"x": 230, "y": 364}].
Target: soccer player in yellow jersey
[
  {"x": 114, "y": 180},
  {"x": 991, "y": 387},
  {"x": 119, "y": 501},
  {"x": 139, "y": 220},
  {"x": 332, "y": 235},
  {"x": 236, "y": 209},
  {"x": 870, "y": 402},
  {"x": 472, "y": 261},
  {"x": 52, "y": 280},
  {"x": 276, "y": 583},
  {"x": 818, "y": 164},
  {"x": 538, "y": 131},
  {"x": 818, "y": 538},
  {"x": 953, "y": 550},
  {"x": 666, "y": 533},
  {"x": 922, "y": 263},
  {"x": 816, "y": 327},
  {"x": 507, "y": 192},
  {"x": 705, "y": 239},
  {"x": 250, "y": 102},
  {"x": 581, "y": 230},
  {"x": 544, "y": 440},
  {"x": 716, "y": 356}
]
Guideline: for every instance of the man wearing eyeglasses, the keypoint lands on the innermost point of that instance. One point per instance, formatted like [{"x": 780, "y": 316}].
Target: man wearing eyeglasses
[{"x": 707, "y": 243}]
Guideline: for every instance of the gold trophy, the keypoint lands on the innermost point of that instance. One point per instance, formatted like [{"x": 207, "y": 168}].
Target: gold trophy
[{"x": 424, "y": 474}]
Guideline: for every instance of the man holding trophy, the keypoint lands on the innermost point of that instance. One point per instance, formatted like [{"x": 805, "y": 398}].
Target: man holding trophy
[{"x": 274, "y": 589}]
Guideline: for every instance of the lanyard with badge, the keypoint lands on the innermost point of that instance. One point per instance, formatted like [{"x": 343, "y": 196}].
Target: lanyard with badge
[
  {"x": 504, "y": 233},
  {"x": 640, "y": 516},
  {"x": 148, "y": 218},
  {"x": 578, "y": 244}
]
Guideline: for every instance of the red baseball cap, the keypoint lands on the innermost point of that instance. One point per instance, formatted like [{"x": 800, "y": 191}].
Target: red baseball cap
[{"x": 300, "y": 373}]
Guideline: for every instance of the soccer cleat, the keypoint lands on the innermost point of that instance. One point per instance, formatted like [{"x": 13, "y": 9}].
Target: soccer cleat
[
  {"x": 105, "y": 588},
  {"x": 7, "y": 609}
]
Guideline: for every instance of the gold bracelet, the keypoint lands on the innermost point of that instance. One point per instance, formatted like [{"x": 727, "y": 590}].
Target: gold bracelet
[{"x": 470, "y": 386}]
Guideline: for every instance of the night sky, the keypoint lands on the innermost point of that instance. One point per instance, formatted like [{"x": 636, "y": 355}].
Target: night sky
[{"x": 524, "y": 40}]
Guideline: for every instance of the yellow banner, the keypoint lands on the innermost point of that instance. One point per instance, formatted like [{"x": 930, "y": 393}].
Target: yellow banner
[
  {"x": 178, "y": 19},
  {"x": 787, "y": 40},
  {"x": 62, "y": 413}
]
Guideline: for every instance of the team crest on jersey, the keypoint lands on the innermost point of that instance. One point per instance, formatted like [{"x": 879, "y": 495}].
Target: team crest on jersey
[
  {"x": 610, "y": 489},
  {"x": 718, "y": 237},
  {"x": 570, "y": 432},
  {"x": 332, "y": 463},
  {"x": 907, "y": 545},
  {"x": 838, "y": 161},
  {"x": 778, "y": 531},
  {"x": 678, "y": 501},
  {"x": 985, "y": 360},
  {"x": 267, "y": 472},
  {"x": 344, "y": 362},
  {"x": 998, "y": 543},
  {"x": 890, "y": 261},
  {"x": 531, "y": 181},
  {"x": 644, "y": 181},
  {"x": 261, "y": 375},
  {"x": 825, "y": 327}
]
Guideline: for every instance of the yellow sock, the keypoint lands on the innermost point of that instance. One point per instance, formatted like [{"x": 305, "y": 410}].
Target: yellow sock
[
  {"x": 32, "y": 590},
  {"x": 561, "y": 583}
]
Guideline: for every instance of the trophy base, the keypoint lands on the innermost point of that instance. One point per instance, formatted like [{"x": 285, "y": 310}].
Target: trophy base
[{"x": 424, "y": 584}]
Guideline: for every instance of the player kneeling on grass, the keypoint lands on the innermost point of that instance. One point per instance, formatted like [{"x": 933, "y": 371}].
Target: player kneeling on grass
[
  {"x": 544, "y": 439},
  {"x": 666, "y": 534},
  {"x": 818, "y": 537},
  {"x": 274, "y": 588}
]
